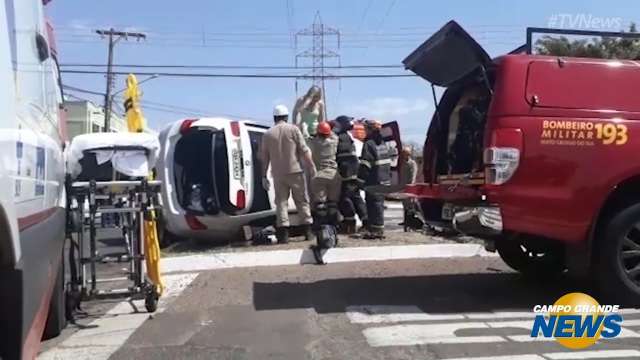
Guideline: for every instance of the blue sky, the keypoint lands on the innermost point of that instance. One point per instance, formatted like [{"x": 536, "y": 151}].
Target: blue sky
[{"x": 243, "y": 32}]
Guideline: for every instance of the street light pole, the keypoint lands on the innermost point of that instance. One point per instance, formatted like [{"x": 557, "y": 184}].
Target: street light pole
[{"x": 154, "y": 76}]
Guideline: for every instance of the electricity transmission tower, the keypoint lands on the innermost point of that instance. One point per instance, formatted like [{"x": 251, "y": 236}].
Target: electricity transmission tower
[{"x": 322, "y": 38}]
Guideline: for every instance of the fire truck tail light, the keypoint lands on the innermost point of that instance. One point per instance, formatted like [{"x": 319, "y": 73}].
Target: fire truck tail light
[{"x": 500, "y": 164}]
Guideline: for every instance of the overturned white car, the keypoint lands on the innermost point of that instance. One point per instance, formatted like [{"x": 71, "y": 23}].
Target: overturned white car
[{"x": 212, "y": 178}]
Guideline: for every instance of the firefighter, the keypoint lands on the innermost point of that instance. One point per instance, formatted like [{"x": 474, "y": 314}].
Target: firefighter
[
  {"x": 375, "y": 169},
  {"x": 325, "y": 186},
  {"x": 283, "y": 146},
  {"x": 325, "y": 189},
  {"x": 350, "y": 202}
]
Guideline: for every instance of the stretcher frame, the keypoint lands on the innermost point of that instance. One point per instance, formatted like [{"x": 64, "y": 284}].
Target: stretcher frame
[{"x": 142, "y": 198}]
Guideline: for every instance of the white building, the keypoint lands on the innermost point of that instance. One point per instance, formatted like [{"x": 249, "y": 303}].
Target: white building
[{"x": 85, "y": 117}]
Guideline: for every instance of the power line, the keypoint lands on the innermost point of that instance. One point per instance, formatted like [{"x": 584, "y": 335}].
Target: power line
[
  {"x": 254, "y": 76},
  {"x": 159, "y": 106},
  {"x": 266, "y": 67},
  {"x": 73, "y": 88},
  {"x": 386, "y": 15},
  {"x": 364, "y": 15}
]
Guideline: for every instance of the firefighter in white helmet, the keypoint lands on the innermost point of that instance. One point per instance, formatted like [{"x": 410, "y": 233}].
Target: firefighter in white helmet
[{"x": 284, "y": 148}]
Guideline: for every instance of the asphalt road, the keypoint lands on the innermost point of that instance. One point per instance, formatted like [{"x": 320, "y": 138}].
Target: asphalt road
[
  {"x": 463, "y": 308},
  {"x": 410, "y": 309}
]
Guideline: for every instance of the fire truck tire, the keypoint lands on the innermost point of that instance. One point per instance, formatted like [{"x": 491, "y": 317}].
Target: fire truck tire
[
  {"x": 56, "y": 319},
  {"x": 617, "y": 261},
  {"x": 540, "y": 262}
]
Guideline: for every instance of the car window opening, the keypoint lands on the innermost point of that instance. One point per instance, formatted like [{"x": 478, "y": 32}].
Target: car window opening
[
  {"x": 195, "y": 188},
  {"x": 260, "y": 196}
]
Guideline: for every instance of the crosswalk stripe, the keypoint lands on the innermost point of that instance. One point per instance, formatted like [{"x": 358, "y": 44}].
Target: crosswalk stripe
[
  {"x": 634, "y": 322},
  {"x": 572, "y": 355},
  {"x": 406, "y": 335},
  {"x": 423, "y": 334},
  {"x": 595, "y": 354},
  {"x": 375, "y": 314},
  {"x": 504, "y": 357}
]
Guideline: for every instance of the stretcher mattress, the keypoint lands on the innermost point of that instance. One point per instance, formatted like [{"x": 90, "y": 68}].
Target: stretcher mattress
[{"x": 131, "y": 154}]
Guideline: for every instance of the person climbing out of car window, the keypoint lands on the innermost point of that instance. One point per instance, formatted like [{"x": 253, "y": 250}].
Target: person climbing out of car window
[
  {"x": 325, "y": 188},
  {"x": 350, "y": 202},
  {"x": 375, "y": 169},
  {"x": 284, "y": 148},
  {"x": 308, "y": 112}
]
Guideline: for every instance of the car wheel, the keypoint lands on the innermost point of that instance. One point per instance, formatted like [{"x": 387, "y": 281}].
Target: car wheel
[
  {"x": 533, "y": 257},
  {"x": 56, "y": 319},
  {"x": 618, "y": 258}
]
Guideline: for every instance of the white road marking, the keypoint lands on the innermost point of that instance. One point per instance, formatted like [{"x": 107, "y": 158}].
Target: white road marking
[
  {"x": 634, "y": 322},
  {"x": 504, "y": 357},
  {"x": 570, "y": 355},
  {"x": 204, "y": 262},
  {"x": 595, "y": 354},
  {"x": 406, "y": 335},
  {"x": 375, "y": 314},
  {"x": 439, "y": 333},
  {"x": 107, "y": 334}
]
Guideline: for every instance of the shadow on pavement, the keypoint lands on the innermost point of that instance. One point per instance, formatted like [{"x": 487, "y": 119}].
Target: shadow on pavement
[{"x": 451, "y": 293}]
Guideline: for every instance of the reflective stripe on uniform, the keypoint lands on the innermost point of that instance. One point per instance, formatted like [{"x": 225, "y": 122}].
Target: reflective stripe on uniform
[
  {"x": 360, "y": 180},
  {"x": 348, "y": 218},
  {"x": 383, "y": 161},
  {"x": 376, "y": 226},
  {"x": 352, "y": 177},
  {"x": 365, "y": 163}
]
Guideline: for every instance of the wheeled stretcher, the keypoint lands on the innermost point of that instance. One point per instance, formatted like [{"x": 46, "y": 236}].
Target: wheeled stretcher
[{"x": 107, "y": 177}]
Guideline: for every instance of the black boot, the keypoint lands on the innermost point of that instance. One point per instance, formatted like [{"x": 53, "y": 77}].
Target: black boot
[
  {"x": 348, "y": 227},
  {"x": 308, "y": 233},
  {"x": 282, "y": 234}
]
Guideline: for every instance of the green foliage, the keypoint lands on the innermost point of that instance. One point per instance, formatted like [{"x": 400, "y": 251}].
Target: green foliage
[{"x": 605, "y": 47}]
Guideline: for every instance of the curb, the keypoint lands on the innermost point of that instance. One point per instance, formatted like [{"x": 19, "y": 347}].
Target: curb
[{"x": 192, "y": 263}]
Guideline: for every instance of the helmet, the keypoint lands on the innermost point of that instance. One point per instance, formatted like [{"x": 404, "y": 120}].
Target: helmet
[
  {"x": 280, "y": 110},
  {"x": 373, "y": 124},
  {"x": 344, "y": 122},
  {"x": 324, "y": 128}
]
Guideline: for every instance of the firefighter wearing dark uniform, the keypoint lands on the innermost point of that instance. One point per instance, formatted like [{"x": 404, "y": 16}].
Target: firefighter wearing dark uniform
[
  {"x": 351, "y": 202},
  {"x": 375, "y": 169}
]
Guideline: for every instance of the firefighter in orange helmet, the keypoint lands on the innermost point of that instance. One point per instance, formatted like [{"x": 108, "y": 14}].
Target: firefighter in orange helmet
[{"x": 375, "y": 169}]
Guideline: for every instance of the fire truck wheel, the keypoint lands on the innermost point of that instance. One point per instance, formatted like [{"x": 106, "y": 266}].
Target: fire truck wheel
[
  {"x": 536, "y": 258},
  {"x": 618, "y": 258}
]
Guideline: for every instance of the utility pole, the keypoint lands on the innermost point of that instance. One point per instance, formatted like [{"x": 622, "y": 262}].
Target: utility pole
[
  {"x": 318, "y": 52},
  {"x": 114, "y": 37}
]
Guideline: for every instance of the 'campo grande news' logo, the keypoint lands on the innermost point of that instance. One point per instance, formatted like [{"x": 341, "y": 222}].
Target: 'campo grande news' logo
[{"x": 577, "y": 321}]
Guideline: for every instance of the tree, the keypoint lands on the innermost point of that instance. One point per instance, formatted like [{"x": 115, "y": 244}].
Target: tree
[{"x": 605, "y": 47}]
